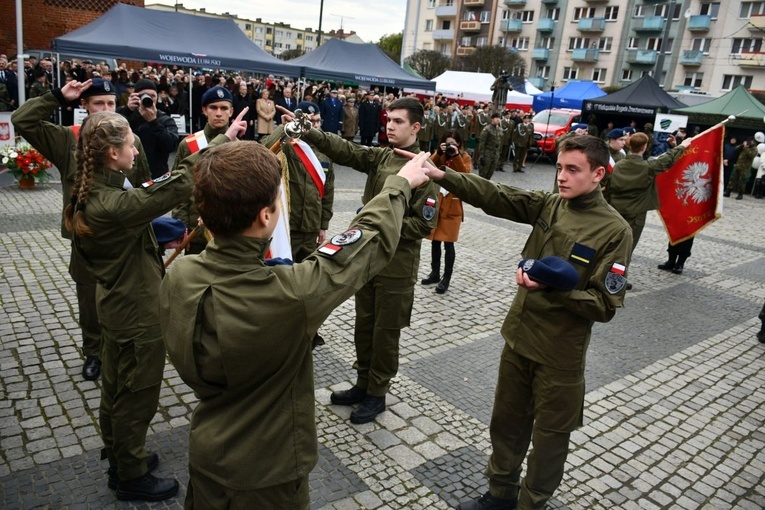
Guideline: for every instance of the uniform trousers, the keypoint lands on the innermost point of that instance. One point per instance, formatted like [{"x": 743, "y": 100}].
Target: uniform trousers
[
  {"x": 520, "y": 157},
  {"x": 491, "y": 162},
  {"x": 636, "y": 222},
  {"x": 533, "y": 404},
  {"x": 383, "y": 308},
  {"x": 303, "y": 244},
  {"x": 204, "y": 493},
  {"x": 132, "y": 364},
  {"x": 88, "y": 319},
  {"x": 737, "y": 182}
]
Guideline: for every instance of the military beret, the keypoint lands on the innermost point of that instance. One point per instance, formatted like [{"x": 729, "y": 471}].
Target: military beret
[
  {"x": 216, "y": 94},
  {"x": 144, "y": 84},
  {"x": 308, "y": 107},
  {"x": 99, "y": 87},
  {"x": 167, "y": 229},
  {"x": 495, "y": 115},
  {"x": 580, "y": 125},
  {"x": 554, "y": 272},
  {"x": 616, "y": 133},
  {"x": 629, "y": 130},
  {"x": 527, "y": 116}
]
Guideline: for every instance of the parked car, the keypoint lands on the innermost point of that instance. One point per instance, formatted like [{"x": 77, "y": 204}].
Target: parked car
[{"x": 550, "y": 124}]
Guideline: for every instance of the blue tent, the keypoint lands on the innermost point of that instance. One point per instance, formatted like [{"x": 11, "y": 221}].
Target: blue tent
[{"x": 571, "y": 95}]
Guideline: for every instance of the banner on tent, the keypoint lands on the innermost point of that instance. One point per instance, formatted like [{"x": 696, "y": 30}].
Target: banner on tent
[{"x": 618, "y": 108}]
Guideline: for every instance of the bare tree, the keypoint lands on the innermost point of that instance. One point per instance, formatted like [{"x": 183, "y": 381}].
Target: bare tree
[
  {"x": 428, "y": 63},
  {"x": 494, "y": 60},
  {"x": 290, "y": 54}
]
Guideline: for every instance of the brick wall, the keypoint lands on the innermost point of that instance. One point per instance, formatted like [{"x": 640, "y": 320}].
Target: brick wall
[{"x": 46, "y": 19}]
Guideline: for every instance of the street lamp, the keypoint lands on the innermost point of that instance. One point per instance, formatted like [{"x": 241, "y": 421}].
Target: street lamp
[{"x": 321, "y": 13}]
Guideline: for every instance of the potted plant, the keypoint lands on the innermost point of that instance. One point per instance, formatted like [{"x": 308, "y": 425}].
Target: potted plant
[{"x": 26, "y": 164}]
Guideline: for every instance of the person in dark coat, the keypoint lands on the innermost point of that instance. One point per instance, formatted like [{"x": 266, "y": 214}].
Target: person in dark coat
[
  {"x": 331, "y": 113},
  {"x": 369, "y": 118},
  {"x": 287, "y": 102},
  {"x": 242, "y": 100}
]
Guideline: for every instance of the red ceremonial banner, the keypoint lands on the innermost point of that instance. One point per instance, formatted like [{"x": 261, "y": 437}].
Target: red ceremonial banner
[{"x": 690, "y": 193}]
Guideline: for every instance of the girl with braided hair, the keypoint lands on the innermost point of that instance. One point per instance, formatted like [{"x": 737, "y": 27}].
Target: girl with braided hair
[{"x": 111, "y": 225}]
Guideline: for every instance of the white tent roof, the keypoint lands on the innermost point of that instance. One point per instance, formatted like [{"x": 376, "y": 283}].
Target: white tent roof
[
  {"x": 531, "y": 89},
  {"x": 474, "y": 87}
]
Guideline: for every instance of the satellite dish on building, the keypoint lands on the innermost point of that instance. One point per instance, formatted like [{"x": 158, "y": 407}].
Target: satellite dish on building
[{"x": 687, "y": 14}]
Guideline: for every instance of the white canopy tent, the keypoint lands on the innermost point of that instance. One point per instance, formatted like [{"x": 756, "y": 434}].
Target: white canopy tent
[{"x": 467, "y": 87}]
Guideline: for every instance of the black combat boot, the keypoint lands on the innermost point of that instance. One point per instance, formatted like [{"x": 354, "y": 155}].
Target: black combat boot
[
  {"x": 489, "y": 502},
  {"x": 152, "y": 461},
  {"x": 348, "y": 397},
  {"x": 368, "y": 409},
  {"x": 147, "y": 488},
  {"x": 740, "y": 196},
  {"x": 435, "y": 265},
  {"x": 669, "y": 265},
  {"x": 757, "y": 188},
  {"x": 443, "y": 285},
  {"x": 761, "y": 334},
  {"x": 678, "y": 269},
  {"x": 726, "y": 194}
]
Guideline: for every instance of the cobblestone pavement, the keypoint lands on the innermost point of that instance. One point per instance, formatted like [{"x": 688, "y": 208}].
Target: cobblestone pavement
[{"x": 674, "y": 412}]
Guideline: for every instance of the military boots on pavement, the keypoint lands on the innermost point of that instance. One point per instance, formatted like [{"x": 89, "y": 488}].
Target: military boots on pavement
[
  {"x": 369, "y": 408},
  {"x": 678, "y": 269},
  {"x": 669, "y": 265},
  {"x": 489, "y": 502},
  {"x": 147, "y": 488}
]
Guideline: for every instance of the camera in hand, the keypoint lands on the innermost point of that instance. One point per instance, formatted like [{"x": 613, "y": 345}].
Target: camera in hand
[
  {"x": 452, "y": 150},
  {"x": 147, "y": 101}
]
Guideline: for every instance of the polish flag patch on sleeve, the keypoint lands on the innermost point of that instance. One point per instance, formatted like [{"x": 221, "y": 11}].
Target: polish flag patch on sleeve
[
  {"x": 618, "y": 269},
  {"x": 330, "y": 249},
  {"x": 430, "y": 201}
]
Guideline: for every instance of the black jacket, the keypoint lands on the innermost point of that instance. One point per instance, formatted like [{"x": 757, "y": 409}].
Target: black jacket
[{"x": 159, "y": 137}]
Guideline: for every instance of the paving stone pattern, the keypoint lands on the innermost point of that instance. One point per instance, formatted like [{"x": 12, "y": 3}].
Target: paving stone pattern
[{"x": 674, "y": 412}]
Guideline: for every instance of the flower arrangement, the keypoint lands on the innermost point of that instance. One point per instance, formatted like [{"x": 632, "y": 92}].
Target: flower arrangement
[{"x": 24, "y": 161}]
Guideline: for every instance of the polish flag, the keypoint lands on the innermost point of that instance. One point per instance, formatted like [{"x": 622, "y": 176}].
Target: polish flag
[
  {"x": 196, "y": 142},
  {"x": 311, "y": 163}
]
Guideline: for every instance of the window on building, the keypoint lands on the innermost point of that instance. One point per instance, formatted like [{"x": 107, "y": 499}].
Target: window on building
[
  {"x": 288, "y": 46},
  {"x": 599, "y": 75},
  {"x": 543, "y": 71},
  {"x": 745, "y": 45},
  {"x": 268, "y": 30},
  {"x": 731, "y": 81},
  {"x": 670, "y": 42},
  {"x": 428, "y": 25},
  {"x": 749, "y": 9},
  {"x": 300, "y": 36},
  {"x": 570, "y": 73},
  {"x": 278, "y": 45},
  {"x": 469, "y": 16},
  {"x": 638, "y": 13},
  {"x": 248, "y": 26},
  {"x": 653, "y": 43},
  {"x": 431, "y": 4},
  {"x": 661, "y": 11},
  {"x": 299, "y": 47},
  {"x": 466, "y": 41},
  {"x": 546, "y": 42},
  {"x": 527, "y": 16},
  {"x": 626, "y": 75},
  {"x": 633, "y": 43},
  {"x": 258, "y": 30},
  {"x": 553, "y": 13},
  {"x": 485, "y": 16},
  {"x": 693, "y": 79},
  {"x": 701, "y": 44},
  {"x": 309, "y": 38},
  {"x": 575, "y": 43},
  {"x": 279, "y": 33},
  {"x": 584, "y": 12},
  {"x": 605, "y": 43},
  {"x": 711, "y": 9},
  {"x": 481, "y": 41},
  {"x": 289, "y": 35},
  {"x": 522, "y": 43},
  {"x": 612, "y": 13}
]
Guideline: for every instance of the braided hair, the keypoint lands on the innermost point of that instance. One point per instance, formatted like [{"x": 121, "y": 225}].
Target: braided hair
[{"x": 99, "y": 132}]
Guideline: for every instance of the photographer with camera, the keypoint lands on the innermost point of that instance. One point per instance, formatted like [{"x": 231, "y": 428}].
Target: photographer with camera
[
  {"x": 450, "y": 153},
  {"x": 500, "y": 88},
  {"x": 156, "y": 129}
]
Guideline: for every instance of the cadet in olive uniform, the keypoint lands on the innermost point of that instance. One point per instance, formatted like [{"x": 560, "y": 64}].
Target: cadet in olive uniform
[
  {"x": 58, "y": 144},
  {"x": 217, "y": 107},
  {"x": 523, "y": 138},
  {"x": 440, "y": 122},
  {"x": 482, "y": 120},
  {"x": 489, "y": 147},
  {"x": 632, "y": 188},
  {"x": 384, "y": 305},
  {"x": 540, "y": 387},
  {"x": 747, "y": 151},
  {"x": 616, "y": 139},
  {"x": 508, "y": 126},
  {"x": 252, "y": 442},
  {"x": 425, "y": 136},
  {"x": 310, "y": 208}
]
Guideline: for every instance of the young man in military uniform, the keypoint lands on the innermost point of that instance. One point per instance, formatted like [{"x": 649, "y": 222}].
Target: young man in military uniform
[
  {"x": 384, "y": 305},
  {"x": 540, "y": 387},
  {"x": 489, "y": 147},
  {"x": 252, "y": 442},
  {"x": 747, "y": 151},
  {"x": 217, "y": 107},
  {"x": 523, "y": 138},
  {"x": 508, "y": 126},
  {"x": 58, "y": 144},
  {"x": 425, "y": 136}
]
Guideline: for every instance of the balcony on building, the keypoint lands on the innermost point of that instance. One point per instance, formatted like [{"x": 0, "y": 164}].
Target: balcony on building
[
  {"x": 537, "y": 81},
  {"x": 650, "y": 24},
  {"x": 473, "y": 3},
  {"x": 470, "y": 26},
  {"x": 691, "y": 58},
  {"x": 585, "y": 55},
  {"x": 446, "y": 11},
  {"x": 463, "y": 51},
  {"x": 757, "y": 24},
  {"x": 540, "y": 54},
  {"x": 546, "y": 25},
  {"x": 550, "y": 2},
  {"x": 591, "y": 24},
  {"x": 699, "y": 23},
  {"x": 515, "y": 3},
  {"x": 443, "y": 34},
  {"x": 511, "y": 25},
  {"x": 642, "y": 57},
  {"x": 596, "y": 1},
  {"x": 751, "y": 60}
]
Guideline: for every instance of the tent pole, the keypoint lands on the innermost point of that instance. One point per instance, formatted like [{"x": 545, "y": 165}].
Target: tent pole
[{"x": 190, "y": 128}]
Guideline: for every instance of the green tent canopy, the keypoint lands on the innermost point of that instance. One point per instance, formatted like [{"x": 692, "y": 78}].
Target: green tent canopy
[{"x": 734, "y": 102}]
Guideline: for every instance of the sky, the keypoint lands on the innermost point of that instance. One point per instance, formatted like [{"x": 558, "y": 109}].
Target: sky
[{"x": 370, "y": 20}]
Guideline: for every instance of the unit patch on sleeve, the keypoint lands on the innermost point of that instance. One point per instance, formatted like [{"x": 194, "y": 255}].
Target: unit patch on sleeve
[
  {"x": 429, "y": 209},
  {"x": 159, "y": 179},
  {"x": 582, "y": 255},
  {"x": 347, "y": 237},
  {"x": 615, "y": 279}
]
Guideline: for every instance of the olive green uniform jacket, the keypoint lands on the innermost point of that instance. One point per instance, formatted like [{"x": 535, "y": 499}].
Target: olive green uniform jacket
[
  {"x": 240, "y": 333},
  {"x": 489, "y": 150},
  {"x": 59, "y": 144},
  {"x": 553, "y": 327},
  {"x": 425, "y": 135},
  {"x": 379, "y": 163}
]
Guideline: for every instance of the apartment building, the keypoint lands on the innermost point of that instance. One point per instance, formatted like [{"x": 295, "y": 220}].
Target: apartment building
[{"x": 708, "y": 46}]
